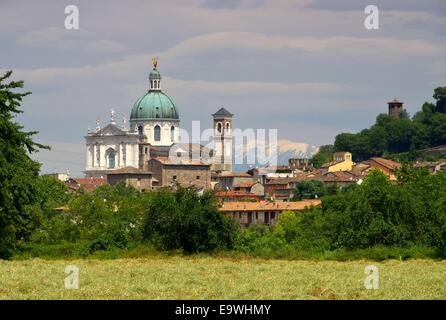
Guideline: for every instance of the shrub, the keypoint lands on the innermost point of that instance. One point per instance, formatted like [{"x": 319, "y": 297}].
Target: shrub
[{"x": 183, "y": 219}]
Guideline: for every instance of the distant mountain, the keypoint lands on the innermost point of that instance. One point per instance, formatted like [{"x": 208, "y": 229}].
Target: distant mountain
[{"x": 286, "y": 149}]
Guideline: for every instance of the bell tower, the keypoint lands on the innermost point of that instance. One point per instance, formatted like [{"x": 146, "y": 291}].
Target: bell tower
[
  {"x": 395, "y": 108},
  {"x": 223, "y": 140}
]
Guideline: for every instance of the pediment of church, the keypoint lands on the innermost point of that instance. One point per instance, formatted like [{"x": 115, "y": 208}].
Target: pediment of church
[{"x": 110, "y": 130}]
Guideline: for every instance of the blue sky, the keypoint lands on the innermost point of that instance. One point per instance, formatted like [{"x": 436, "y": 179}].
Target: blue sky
[{"x": 307, "y": 68}]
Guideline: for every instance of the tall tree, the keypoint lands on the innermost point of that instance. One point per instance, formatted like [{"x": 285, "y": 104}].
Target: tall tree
[
  {"x": 17, "y": 170},
  {"x": 325, "y": 154}
]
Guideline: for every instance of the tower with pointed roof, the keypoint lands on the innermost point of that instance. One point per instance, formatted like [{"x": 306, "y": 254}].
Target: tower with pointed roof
[{"x": 222, "y": 140}]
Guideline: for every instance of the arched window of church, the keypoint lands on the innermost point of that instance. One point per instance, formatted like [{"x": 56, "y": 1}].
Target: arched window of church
[
  {"x": 157, "y": 133},
  {"x": 227, "y": 127},
  {"x": 219, "y": 127},
  {"x": 140, "y": 130},
  {"x": 172, "y": 134},
  {"x": 111, "y": 158}
]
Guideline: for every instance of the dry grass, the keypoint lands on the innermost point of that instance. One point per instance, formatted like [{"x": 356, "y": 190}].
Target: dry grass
[{"x": 220, "y": 278}]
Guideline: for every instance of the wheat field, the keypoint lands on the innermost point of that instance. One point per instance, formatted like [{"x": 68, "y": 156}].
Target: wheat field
[{"x": 196, "y": 277}]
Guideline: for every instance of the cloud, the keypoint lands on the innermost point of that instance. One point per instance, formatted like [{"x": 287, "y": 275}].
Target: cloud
[
  {"x": 62, "y": 39},
  {"x": 432, "y": 6},
  {"x": 307, "y": 68},
  {"x": 348, "y": 46},
  {"x": 232, "y": 4}
]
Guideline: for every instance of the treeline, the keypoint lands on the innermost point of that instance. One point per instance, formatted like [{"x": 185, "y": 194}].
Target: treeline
[
  {"x": 120, "y": 217},
  {"x": 392, "y": 135},
  {"x": 377, "y": 219}
]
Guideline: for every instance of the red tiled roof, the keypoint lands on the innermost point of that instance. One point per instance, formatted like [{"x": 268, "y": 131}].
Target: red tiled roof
[
  {"x": 268, "y": 206},
  {"x": 245, "y": 184},
  {"x": 235, "y": 194},
  {"x": 332, "y": 163},
  {"x": 88, "y": 184},
  {"x": 340, "y": 176},
  {"x": 389, "y": 164},
  {"x": 234, "y": 174}
]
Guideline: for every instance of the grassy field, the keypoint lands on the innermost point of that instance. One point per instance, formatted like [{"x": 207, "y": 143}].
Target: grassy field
[{"x": 179, "y": 277}]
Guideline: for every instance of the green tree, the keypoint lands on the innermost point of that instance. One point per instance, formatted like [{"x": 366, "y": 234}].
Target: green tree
[
  {"x": 390, "y": 135},
  {"x": 345, "y": 142},
  {"x": 309, "y": 190},
  {"x": 17, "y": 170},
  {"x": 440, "y": 97},
  {"x": 325, "y": 154},
  {"x": 109, "y": 217},
  {"x": 182, "y": 219}
]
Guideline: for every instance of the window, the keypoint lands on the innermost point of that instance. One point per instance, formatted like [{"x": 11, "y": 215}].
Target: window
[
  {"x": 273, "y": 215},
  {"x": 172, "y": 133},
  {"x": 146, "y": 150},
  {"x": 198, "y": 177},
  {"x": 174, "y": 177},
  {"x": 98, "y": 153},
  {"x": 111, "y": 158},
  {"x": 140, "y": 130},
  {"x": 219, "y": 127},
  {"x": 157, "y": 133},
  {"x": 227, "y": 126}
]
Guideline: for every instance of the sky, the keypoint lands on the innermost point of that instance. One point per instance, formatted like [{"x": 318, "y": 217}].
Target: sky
[{"x": 308, "y": 68}]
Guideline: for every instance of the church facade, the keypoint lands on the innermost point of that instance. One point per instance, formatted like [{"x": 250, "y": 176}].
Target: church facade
[{"x": 151, "y": 137}]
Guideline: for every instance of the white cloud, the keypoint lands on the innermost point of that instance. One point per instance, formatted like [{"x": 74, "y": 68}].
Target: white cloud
[
  {"x": 62, "y": 39},
  {"x": 347, "y": 46}
]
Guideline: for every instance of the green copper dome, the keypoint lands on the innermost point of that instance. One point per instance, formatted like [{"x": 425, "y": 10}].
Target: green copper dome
[{"x": 154, "y": 105}]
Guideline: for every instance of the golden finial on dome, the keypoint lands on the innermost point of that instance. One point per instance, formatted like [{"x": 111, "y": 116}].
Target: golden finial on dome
[{"x": 155, "y": 61}]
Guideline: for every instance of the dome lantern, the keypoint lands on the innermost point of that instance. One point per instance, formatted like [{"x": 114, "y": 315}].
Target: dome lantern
[{"x": 154, "y": 77}]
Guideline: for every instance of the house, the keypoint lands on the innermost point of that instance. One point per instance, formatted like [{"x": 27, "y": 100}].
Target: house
[
  {"x": 87, "y": 184},
  {"x": 278, "y": 189},
  {"x": 130, "y": 176},
  {"x": 282, "y": 189},
  {"x": 226, "y": 180},
  {"x": 386, "y": 166},
  {"x": 247, "y": 213},
  {"x": 342, "y": 161},
  {"x": 361, "y": 169},
  {"x": 186, "y": 172},
  {"x": 250, "y": 186}
]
